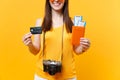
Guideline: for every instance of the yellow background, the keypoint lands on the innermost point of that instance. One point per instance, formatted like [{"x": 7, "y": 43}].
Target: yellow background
[{"x": 100, "y": 62}]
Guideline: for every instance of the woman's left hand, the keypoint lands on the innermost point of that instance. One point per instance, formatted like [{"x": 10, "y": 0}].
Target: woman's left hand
[{"x": 84, "y": 45}]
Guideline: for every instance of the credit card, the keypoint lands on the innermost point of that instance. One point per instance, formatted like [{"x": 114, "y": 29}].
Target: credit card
[{"x": 36, "y": 30}]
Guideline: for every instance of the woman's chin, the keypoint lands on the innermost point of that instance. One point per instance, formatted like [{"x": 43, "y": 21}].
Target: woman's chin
[{"x": 57, "y": 9}]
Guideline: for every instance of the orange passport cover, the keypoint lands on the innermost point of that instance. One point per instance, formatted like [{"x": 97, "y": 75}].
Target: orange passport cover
[{"x": 77, "y": 33}]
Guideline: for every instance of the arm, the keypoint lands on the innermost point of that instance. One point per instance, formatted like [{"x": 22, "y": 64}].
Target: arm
[{"x": 34, "y": 46}]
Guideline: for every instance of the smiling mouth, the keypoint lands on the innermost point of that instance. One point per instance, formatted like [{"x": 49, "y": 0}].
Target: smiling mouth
[{"x": 56, "y": 4}]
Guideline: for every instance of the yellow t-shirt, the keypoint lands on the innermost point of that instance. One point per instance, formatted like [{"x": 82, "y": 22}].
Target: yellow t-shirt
[{"x": 53, "y": 50}]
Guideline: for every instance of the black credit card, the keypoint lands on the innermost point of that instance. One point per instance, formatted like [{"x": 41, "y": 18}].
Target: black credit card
[{"x": 36, "y": 30}]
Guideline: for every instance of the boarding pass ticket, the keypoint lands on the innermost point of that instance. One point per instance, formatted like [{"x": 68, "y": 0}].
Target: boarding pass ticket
[{"x": 78, "y": 21}]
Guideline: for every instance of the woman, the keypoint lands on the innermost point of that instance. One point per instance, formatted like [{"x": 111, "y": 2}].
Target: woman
[{"x": 55, "y": 43}]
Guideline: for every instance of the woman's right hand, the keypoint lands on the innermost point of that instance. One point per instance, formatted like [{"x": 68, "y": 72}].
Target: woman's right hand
[
  {"x": 34, "y": 46},
  {"x": 27, "y": 39}
]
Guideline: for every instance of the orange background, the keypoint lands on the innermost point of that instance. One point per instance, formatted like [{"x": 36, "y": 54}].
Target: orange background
[{"x": 100, "y": 62}]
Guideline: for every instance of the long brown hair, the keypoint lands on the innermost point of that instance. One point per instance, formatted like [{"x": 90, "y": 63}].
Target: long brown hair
[{"x": 47, "y": 21}]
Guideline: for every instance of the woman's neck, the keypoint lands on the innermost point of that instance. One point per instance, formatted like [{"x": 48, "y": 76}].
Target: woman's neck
[{"x": 57, "y": 18}]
